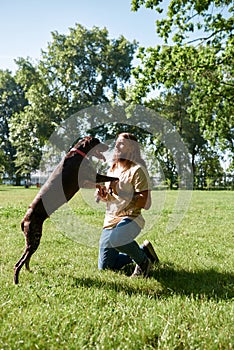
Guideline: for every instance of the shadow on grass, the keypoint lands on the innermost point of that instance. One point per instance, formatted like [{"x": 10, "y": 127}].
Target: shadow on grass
[{"x": 200, "y": 284}]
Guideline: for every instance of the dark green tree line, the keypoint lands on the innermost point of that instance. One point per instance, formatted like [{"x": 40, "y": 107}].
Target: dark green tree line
[{"x": 12, "y": 100}]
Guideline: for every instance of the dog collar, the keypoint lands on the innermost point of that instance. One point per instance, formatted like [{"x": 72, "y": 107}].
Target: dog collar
[{"x": 75, "y": 150}]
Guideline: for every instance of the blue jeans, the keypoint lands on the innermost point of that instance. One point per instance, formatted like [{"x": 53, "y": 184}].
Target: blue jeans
[{"x": 117, "y": 246}]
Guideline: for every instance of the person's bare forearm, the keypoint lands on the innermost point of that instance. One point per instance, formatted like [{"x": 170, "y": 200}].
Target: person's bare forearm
[{"x": 143, "y": 200}]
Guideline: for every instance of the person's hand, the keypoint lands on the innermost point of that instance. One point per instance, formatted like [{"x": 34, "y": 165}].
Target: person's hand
[
  {"x": 101, "y": 193},
  {"x": 113, "y": 186}
]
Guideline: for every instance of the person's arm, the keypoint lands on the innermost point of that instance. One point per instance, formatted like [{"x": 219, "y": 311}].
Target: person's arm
[
  {"x": 140, "y": 199},
  {"x": 143, "y": 199},
  {"x": 141, "y": 183}
]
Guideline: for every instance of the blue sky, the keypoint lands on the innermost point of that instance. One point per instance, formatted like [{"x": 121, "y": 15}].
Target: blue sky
[{"x": 26, "y": 25}]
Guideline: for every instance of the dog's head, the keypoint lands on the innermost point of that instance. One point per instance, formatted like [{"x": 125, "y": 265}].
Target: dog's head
[{"x": 92, "y": 147}]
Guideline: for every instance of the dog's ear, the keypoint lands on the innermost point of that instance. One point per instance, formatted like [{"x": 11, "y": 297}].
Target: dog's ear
[
  {"x": 84, "y": 143},
  {"x": 94, "y": 142},
  {"x": 89, "y": 142}
]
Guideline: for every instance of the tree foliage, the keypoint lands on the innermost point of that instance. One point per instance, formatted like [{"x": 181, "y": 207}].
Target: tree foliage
[
  {"x": 80, "y": 69},
  {"x": 173, "y": 105},
  {"x": 85, "y": 67},
  {"x": 209, "y": 21},
  {"x": 208, "y": 170},
  {"x": 12, "y": 100},
  {"x": 200, "y": 53}
]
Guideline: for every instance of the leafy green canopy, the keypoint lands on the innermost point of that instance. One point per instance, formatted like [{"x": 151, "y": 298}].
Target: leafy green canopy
[
  {"x": 181, "y": 18},
  {"x": 207, "y": 66},
  {"x": 12, "y": 100},
  {"x": 78, "y": 70}
]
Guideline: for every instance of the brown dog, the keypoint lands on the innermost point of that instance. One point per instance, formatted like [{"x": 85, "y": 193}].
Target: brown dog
[{"x": 73, "y": 172}]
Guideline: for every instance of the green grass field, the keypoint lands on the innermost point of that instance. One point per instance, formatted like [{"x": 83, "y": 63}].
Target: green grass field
[{"x": 66, "y": 303}]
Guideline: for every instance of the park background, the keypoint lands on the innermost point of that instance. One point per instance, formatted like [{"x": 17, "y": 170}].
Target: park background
[
  {"x": 59, "y": 58},
  {"x": 182, "y": 70}
]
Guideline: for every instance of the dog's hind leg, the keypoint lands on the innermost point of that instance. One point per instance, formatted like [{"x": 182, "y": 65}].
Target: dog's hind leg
[
  {"x": 27, "y": 261},
  {"x": 19, "y": 265},
  {"x": 33, "y": 233}
]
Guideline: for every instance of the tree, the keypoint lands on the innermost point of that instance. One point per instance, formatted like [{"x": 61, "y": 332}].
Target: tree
[
  {"x": 12, "y": 100},
  {"x": 173, "y": 104},
  {"x": 77, "y": 70},
  {"x": 208, "y": 66},
  {"x": 210, "y": 21},
  {"x": 85, "y": 67},
  {"x": 209, "y": 171}
]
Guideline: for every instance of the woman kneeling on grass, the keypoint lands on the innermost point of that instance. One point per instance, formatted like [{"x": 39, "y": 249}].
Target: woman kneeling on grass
[{"x": 123, "y": 220}]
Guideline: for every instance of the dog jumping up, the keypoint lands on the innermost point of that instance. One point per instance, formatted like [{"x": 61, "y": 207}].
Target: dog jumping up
[{"x": 75, "y": 171}]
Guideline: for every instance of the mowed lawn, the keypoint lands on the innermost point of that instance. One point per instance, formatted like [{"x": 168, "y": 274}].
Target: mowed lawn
[{"x": 67, "y": 303}]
